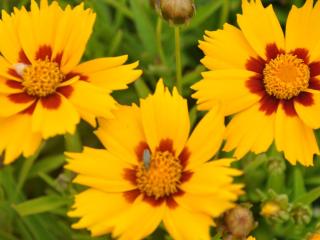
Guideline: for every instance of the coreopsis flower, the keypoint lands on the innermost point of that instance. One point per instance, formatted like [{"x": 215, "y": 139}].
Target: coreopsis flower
[
  {"x": 44, "y": 91},
  {"x": 315, "y": 236},
  {"x": 269, "y": 81},
  {"x": 151, "y": 171}
]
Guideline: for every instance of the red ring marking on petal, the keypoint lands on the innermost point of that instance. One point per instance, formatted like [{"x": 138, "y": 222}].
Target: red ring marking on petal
[
  {"x": 186, "y": 176},
  {"x": 30, "y": 109},
  {"x": 184, "y": 157},
  {"x": 272, "y": 51},
  {"x": 130, "y": 175},
  {"x": 255, "y": 65},
  {"x": 14, "y": 84},
  {"x": 52, "y": 101},
  {"x": 288, "y": 107},
  {"x": 255, "y": 85},
  {"x": 171, "y": 202},
  {"x": 131, "y": 195},
  {"x": 314, "y": 69},
  {"x": 302, "y": 53},
  {"x": 140, "y": 149},
  {"x": 314, "y": 83},
  {"x": 269, "y": 104},
  {"x": 23, "y": 58},
  {"x": 305, "y": 98},
  {"x": 166, "y": 145},
  {"x": 66, "y": 91},
  {"x": 44, "y": 52},
  {"x": 21, "y": 97},
  {"x": 14, "y": 73},
  {"x": 153, "y": 201},
  {"x": 58, "y": 58},
  {"x": 71, "y": 75}
]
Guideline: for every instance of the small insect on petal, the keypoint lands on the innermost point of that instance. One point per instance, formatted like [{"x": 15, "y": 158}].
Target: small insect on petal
[
  {"x": 19, "y": 67},
  {"x": 146, "y": 158}
]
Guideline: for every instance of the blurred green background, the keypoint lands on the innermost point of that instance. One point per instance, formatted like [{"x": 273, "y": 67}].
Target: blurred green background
[{"x": 35, "y": 209}]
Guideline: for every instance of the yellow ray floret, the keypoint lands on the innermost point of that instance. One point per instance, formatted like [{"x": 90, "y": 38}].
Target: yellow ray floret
[{"x": 154, "y": 171}]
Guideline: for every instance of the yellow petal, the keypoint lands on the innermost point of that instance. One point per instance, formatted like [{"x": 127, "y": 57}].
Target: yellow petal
[
  {"x": 303, "y": 22},
  {"x": 122, "y": 134},
  {"x": 212, "y": 178},
  {"x": 260, "y": 26},
  {"x": 17, "y": 137},
  {"x": 140, "y": 221},
  {"x": 227, "y": 87},
  {"x": 133, "y": 224},
  {"x": 92, "y": 99},
  {"x": 206, "y": 138},
  {"x": 220, "y": 48},
  {"x": 310, "y": 114},
  {"x": 250, "y": 130},
  {"x": 165, "y": 116},
  {"x": 54, "y": 115},
  {"x": 77, "y": 37},
  {"x": 111, "y": 186},
  {"x": 213, "y": 205},
  {"x": 109, "y": 73},
  {"x": 295, "y": 139},
  {"x": 99, "y": 169},
  {"x": 9, "y": 42},
  {"x": 14, "y": 103},
  {"x": 96, "y": 163},
  {"x": 176, "y": 220},
  {"x": 106, "y": 206}
]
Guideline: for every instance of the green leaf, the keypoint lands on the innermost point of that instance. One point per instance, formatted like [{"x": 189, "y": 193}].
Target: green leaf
[
  {"x": 40, "y": 205},
  {"x": 120, "y": 7},
  {"x": 145, "y": 26},
  {"x": 141, "y": 88},
  {"x": 6, "y": 236},
  {"x": 47, "y": 164},
  {"x": 298, "y": 183},
  {"x": 203, "y": 13},
  {"x": 309, "y": 197}
]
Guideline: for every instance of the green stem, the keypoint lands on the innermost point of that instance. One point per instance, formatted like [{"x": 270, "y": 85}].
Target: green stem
[
  {"x": 178, "y": 59},
  {"x": 27, "y": 164},
  {"x": 159, "y": 42},
  {"x": 224, "y": 12},
  {"x": 73, "y": 142}
]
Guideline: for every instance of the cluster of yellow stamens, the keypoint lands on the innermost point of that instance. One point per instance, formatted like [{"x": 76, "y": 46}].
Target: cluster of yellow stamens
[
  {"x": 41, "y": 78},
  {"x": 159, "y": 177},
  {"x": 286, "y": 76}
]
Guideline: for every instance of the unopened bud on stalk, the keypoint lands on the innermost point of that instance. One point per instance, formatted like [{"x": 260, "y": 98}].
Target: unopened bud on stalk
[
  {"x": 155, "y": 3},
  {"x": 275, "y": 208},
  {"x": 239, "y": 221},
  {"x": 177, "y": 11},
  {"x": 301, "y": 214}
]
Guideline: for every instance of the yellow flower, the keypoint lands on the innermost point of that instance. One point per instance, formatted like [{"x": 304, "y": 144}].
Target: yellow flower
[
  {"x": 251, "y": 238},
  {"x": 270, "y": 209},
  {"x": 269, "y": 81},
  {"x": 152, "y": 172},
  {"x": 44, "y": 91},
  {"x": 315, "y": 236}
]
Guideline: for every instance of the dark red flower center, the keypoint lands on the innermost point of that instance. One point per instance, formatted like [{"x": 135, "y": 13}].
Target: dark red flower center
[{"x": 282, "y": 79}]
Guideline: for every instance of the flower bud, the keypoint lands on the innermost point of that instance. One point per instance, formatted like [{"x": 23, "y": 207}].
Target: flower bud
[
  {"x": 301, "y": 214},
  {"x": 275, "y": 208},
  {"x": 239, "y": 221},
  {"x": 276, "y": 165},
  {"x": 177, "y": 11},
  {"x": 154, "y": 3}
]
